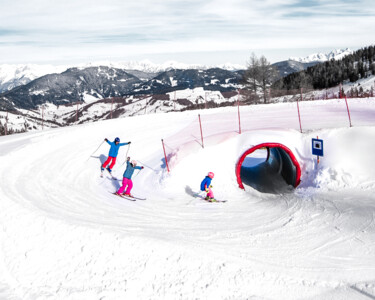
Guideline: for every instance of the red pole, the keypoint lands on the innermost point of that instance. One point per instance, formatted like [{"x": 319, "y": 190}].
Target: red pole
[
  {"x": 347, "y": 107},
  {"x": 200, "y": 125},
  {"x": 165, "y": 155},
  {"x": 299, "y": 116},
  {"x": 239, "y": 116}
]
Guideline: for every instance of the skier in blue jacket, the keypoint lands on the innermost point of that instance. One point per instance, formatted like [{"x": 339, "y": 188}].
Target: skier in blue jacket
[
  {"x": 206, "y": 186},
  {"x": 127, "y": 181},
  {"x": 113, "y": 151}
]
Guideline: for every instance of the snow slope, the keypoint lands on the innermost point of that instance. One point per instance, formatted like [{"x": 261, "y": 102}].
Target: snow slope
[{"x": 64, "y": 236}]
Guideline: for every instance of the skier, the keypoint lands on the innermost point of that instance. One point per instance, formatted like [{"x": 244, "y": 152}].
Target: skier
[
  {"x": 127, "y": 181},
  {"x": 113, "y": 151},
  {"x": 206, "y": 186}
]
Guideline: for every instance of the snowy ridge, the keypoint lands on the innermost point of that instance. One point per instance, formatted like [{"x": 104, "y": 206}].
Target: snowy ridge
[
  {"x": 16, "y": 75},
  {"x": 150, "y": 67},
  {"x": 320, "y": 57}
]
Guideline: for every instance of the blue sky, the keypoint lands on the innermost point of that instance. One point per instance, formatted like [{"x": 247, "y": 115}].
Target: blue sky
[{"x": 190, "y": 31}]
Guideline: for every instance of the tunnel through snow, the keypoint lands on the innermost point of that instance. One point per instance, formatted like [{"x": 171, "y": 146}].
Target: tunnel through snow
[{"x": 275, "y": 172}]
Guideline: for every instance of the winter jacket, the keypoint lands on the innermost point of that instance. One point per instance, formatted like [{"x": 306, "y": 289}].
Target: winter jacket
[
  {"x": 206, "y": 183},
  {"x": 114, "y": 148},
  {"x": 130, "y": 170}
]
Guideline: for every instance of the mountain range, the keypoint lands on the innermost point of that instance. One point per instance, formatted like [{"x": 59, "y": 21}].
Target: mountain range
[
  {"x": 322, "y": 57},
  {"x": 12, "y": 76},
  {"x": 27, "y": 87}
]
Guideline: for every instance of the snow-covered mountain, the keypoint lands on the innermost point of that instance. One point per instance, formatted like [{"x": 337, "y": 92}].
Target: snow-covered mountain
[
  {"x": 149, "y": 67},
  {"x": 103, "y": 82},
  {"x": 12, "y": 76},
  {"x": 321, "y": 57},
  {"x": 70, "y": 86}
]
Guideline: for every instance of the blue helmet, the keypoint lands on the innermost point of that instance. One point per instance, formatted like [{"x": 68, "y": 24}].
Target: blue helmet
[{"x": 117, "y": 140}]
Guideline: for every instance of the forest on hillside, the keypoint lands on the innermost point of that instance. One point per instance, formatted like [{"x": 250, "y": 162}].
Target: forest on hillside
[{"x": 360, "y": 64}]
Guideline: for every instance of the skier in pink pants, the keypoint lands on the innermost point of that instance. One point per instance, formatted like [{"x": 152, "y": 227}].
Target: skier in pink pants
[
  {"x": 127, "y": 182},
  {"x": 206, "y": 186}
]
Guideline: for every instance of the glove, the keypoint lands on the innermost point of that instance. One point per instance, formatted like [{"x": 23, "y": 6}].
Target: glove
[
  {"x": 206, "y": 190},
  {"x": 129, "y": 142},
  {"x": 210, "y": 186},
  {"x": 128, "y": 158},
  {"x": 106, "y": 139},
  {"x": 142, "y": 167}
]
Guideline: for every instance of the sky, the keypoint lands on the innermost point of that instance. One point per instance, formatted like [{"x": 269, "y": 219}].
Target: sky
[{"x": 190, "y": 31}]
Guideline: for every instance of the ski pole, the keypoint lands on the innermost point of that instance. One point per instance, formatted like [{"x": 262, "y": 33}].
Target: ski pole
[
  {"x": 96, "y": 149},
  {"x": 137, "y": 173},
  {"x": 126, "y": 157},
  {"x": 147, "y": 166}
]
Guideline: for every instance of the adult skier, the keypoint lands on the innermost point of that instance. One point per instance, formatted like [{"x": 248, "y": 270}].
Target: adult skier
[
  {"x": 113, "y": 151},
  {"x": 206, "y": 186},
  {"x": 127, "y": 180}
]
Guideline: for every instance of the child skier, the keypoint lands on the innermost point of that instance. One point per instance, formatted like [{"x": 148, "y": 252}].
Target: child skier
[
  {"x": 127, "y": 181},
  {"x": 113, "y": 151},
  {"x": 206, "y": 186}
]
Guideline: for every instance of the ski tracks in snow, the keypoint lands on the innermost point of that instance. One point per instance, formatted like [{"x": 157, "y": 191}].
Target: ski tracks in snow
[{"x": 64, "y": 236}]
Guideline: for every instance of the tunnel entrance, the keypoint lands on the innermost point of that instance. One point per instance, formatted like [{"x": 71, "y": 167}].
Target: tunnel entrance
[{"x": 268, "y": 168}]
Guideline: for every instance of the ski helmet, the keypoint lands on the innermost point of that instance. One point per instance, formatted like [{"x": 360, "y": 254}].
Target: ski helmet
[
  {"x": 117, "y": 140},
  {"x": 134, "y": 163},
  {"x": 211, "y": 175}
]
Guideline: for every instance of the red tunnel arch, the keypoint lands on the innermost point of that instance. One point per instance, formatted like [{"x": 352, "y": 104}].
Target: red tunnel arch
[{"x": 268, "y": 145}]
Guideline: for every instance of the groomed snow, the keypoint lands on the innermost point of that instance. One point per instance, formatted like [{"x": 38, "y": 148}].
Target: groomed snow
[{"x": 64, "y": 236}]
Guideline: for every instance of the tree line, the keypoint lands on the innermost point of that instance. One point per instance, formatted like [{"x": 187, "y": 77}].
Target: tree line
[{"x": 360, "y": 64}]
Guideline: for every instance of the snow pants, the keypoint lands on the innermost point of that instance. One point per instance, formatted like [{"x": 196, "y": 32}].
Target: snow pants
[
  {"x": 210, "y": 193},
  {"x": 126, "y": 182},
  {"x": 108, "y": 161}
]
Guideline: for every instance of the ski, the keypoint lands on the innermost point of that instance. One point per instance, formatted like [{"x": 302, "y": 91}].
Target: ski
[
  {"x": 123, "y": 197},
  {"x": 214, "y": 200},
  {"x": 207, "y": 200},
  {"x": 134, "y": 197}
]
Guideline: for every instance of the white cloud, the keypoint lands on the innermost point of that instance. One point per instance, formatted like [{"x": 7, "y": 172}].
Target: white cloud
[{"x": 36, "y": 30}]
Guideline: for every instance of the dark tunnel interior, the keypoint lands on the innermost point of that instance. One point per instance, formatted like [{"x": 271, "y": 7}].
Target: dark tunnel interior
[{"x": 269, "y": 170}]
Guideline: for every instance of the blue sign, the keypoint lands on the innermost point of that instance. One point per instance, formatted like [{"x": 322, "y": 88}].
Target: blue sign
[{"x": 317, "y": 147}]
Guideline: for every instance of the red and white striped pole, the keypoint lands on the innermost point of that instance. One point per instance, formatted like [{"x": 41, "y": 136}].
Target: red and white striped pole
[
  {"x": 200, "y": 125},
  {"x": 299, "y": 115},
  {"x": 239, "y": 116},
  {"x": 347, "y": 108},
  {"x": 165, "y": 155}
]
